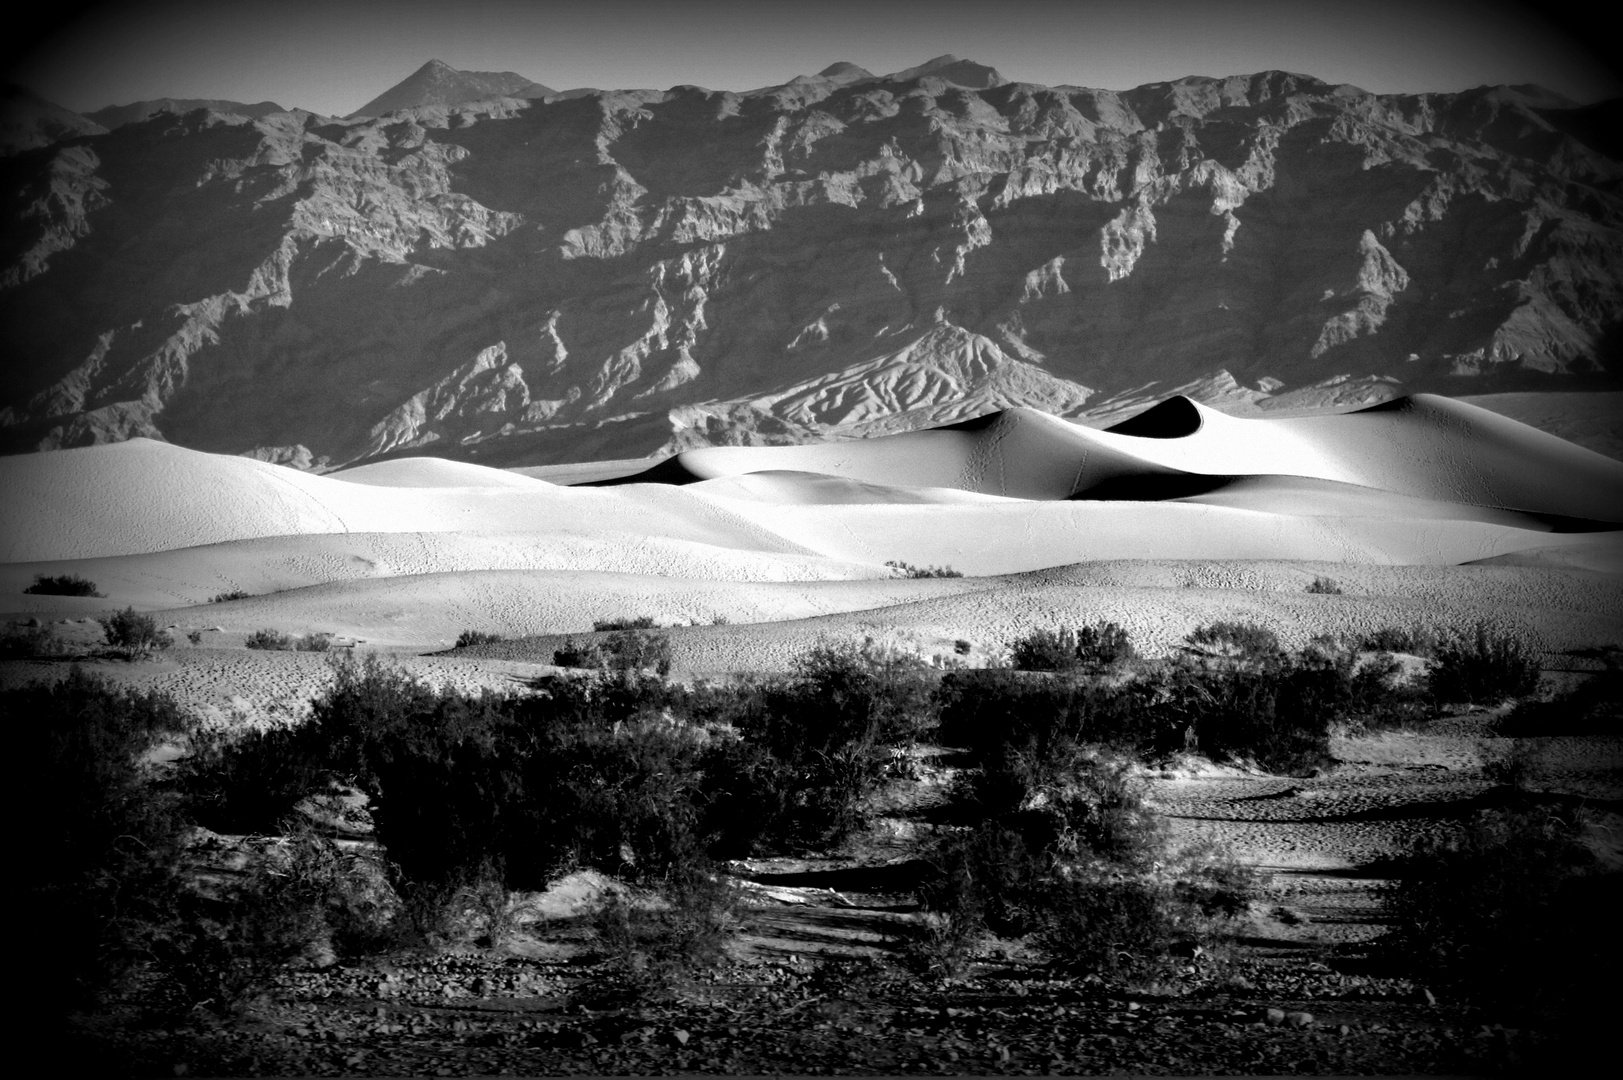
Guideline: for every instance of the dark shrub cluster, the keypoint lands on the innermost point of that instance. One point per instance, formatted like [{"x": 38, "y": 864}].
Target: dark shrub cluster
[
  {"x": 1324, "y": 586},
  {"x": 28, "y": 643},
  {"x": 1416, "y": 641},
  {"x": 233, "y": 594},
  {"x": 470, "y": 638},
  {"x": 1594, "y": 706},
  {"x": 1064, "y": 850},
  {"x": 63, "y": 585},
  {"x": 623, "y": 650},
  {"x": 133, "y": 632},
  {"x": 1483, "y": 667},
  {"x": 1100, "y": 645},
  {"x": 620, "y": 772},
  {"x": 1246, "y": 642},
  {"x": 1514, "y": 913},
  {"x": 112, "y": 902},
  {"x": 276, "y": 641},
  {"x": 641, "y": 622},
  {"x": 924, "y": 571}
]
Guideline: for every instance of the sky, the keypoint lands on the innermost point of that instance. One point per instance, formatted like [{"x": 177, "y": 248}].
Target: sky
[{"x": 332, "y": 56}]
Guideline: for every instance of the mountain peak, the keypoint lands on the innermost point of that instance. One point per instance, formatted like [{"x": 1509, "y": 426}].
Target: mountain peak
[
  {"x": 438, "y": 83},
  {"x": 965, "y": 73},
  {"x": 845, "y": 71},
  {"x": 28, "y": 121}
]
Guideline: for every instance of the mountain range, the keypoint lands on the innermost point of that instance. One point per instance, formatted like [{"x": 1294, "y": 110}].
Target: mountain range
[{"x": 475, "y": 266}]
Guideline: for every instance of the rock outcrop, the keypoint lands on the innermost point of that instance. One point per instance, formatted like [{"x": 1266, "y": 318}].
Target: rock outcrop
[
  {"x": 525, "y": 280},
  {"x": 118, "y": 115}
]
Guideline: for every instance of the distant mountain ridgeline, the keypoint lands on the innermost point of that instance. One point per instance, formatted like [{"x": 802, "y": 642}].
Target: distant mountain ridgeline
[{"x": 494, "y": 271}]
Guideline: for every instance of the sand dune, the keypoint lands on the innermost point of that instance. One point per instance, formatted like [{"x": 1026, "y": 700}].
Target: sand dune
[
  {"x": 143, "y": 496},
  {"x": 1423, "y": 447},
  {"x": 1415, "y": 482}
]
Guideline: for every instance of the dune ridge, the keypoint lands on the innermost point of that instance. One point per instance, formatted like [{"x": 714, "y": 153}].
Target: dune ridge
[{"x": 1422, "y": 446}]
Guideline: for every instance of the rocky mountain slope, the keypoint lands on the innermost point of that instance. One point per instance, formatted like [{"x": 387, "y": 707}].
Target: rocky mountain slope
[
  {"x": 611, "y": 274},
  {"x": 28, "y": 121},
  {"x": 118, "y": 115}
]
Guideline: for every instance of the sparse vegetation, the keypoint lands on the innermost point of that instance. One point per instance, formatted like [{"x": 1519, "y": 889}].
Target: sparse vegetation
[
  {"x": 1483, "y": 667},
  {"x": 1102, "y": 644},
  {"x": 132, "y": 632},
  {"x": 470, "y": 638},
  {"x": 924, "y": 571},
  {"x": 234, "y": 594},
  {"x": 1512, "y": 913},
  {"x": 63, "y": 585},
  {"x": 623, "y": 650},
  {"x": 1325, "y": 587},
  {"x": 28, "y": 643},
  {"x": 1245, "y": 642},
  {"x": 640, "y": 622},
  {"x": 276, "y": 641},
  {"x": 1416, "y": 641}
]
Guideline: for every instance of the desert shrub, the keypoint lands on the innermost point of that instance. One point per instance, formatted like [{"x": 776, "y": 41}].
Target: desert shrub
[
  {"x": 1069, "y": 853},
  {"x": 277, "y": 641},
  {"x": 1510, "y": 913},
  {"x": 961, "y": 647},
  {"x": 1324, "y": 586},
  {"x": 1592, "y": 707},
  {"x": 824, "y": 736},
  {"x": 131, "y": 631},
  {"x": 685, "y": 927},
  {"x": 224, "y": 943},
  {"x": 1483, "y": 667},
  {"x": 470, "y": 638},
  {"x": 1416, "y": 641},
  {"x": 249, "y": 782},
  {"x": 1243, "y": 641},
  {"x": 233, "y": 594},
  {"x": 1101, "y": 644},
  {"x": 1104, "y": 643},
  {"x": 641, "y": 622},
  {"x": 1044, "y": 650},
  {"x": 924, "y": 571},
  {"x": 638, "y": 650},
  {"x": 95, "y": 874},
  {"x": 622, "y": 650},
  {"x": 578, "y": 654},
  {"x": 623, "y": 796},
  {"x": 1095, "y": 921},
  {"x": 28, "y": 643},
  {"x": 269, "y": 639},
  {"x": 63, "y": 585}
]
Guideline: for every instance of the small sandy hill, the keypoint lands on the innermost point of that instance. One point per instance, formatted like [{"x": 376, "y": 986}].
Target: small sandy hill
[
  {"x": 143, "y": 496},
  {"x": 431, "y": 472},
  {"x": 1592, "y": 419}
]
